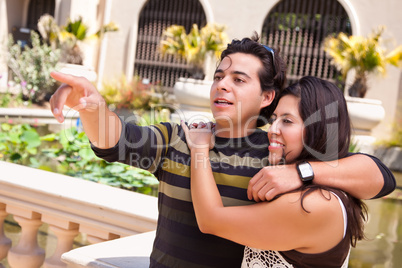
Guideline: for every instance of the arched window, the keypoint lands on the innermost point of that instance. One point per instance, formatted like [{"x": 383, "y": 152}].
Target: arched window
[
  {"x": 36, "y": 9},
  {"x": 298, "y": 28},
  {"x": 156, "y": 16}
]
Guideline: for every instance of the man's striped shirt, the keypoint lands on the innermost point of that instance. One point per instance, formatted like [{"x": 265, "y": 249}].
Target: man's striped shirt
[{"x": 162, "y": 149}]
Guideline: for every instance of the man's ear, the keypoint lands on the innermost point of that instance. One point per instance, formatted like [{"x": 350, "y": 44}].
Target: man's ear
[{"x": 268, "y": 98}]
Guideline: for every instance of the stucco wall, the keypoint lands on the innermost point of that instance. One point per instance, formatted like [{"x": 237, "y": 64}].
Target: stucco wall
[
  {"x": 117, "y": 50},
  {"x": 3, "y": 36}
]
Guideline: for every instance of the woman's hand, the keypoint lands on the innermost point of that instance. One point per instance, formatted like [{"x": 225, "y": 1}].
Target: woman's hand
[{"x": 199, "y": 135}]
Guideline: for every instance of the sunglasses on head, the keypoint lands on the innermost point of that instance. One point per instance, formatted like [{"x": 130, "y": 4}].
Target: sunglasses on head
[{"x": 270, "y": 50}]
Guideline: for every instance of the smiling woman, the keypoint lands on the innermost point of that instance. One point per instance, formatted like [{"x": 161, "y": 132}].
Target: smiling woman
[
  {"x": 312, "y": 226},
  {"x": 286, "y": 131}
]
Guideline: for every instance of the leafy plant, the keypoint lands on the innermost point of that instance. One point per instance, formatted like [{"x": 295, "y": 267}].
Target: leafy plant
[
  {"x": 354, "y": 146},
  {"x": 364, "y": 55},
  {"x": 68, "y": 152},
  {"x": 67, "y": 37},
  {"x": 5, "y": 99},
  {"x": 132, "y": 95},
  {"x": 396, "y": 136},
  {"x": 31, "y": 67},
  {"x": 195, "y": 46},
  {"x": 19, "y": 143},
  {"x": 76, "y": 158}
]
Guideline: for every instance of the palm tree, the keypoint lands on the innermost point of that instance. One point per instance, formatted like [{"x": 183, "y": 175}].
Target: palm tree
[
  {"x": 364, "y": 55},
  {"x": 195, "y": 46}
]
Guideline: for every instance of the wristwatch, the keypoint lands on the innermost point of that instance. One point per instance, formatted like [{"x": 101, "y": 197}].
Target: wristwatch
[{"x": 305, "y": 171}]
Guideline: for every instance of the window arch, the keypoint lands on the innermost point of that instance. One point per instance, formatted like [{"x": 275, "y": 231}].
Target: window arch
[
  {"x": 36, "y": 9},
  {"x": 298, "y": 28},
  {"x": 156, "y": 16}
]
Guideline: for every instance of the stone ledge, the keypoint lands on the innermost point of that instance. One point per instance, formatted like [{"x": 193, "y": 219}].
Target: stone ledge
[
  {"x": 127, "y": 252},
  {"x": 87, "y": 203},
  {"x": 38, "y": 117}
]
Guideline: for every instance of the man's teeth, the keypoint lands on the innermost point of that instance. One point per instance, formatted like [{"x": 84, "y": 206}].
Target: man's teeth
[{"x": 222, "y": 101}]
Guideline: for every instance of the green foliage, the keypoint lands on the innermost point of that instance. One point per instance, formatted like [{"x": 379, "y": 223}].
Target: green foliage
[
  {"x": 77, "y": 28},
  {"x": 132, "y": 95},
  {"x": 31, "y": 67},
  {"x": 396, "y": 136},
  {"x": 354, "y": 146},
  {"x": 5, "y": 99},
  {"x": 68, "y": 152},
  {"x": 362, "y": 54},
  {"x": 152, "y": 117},
  {"x": 18, "y": 143},
  {"x": 67, "y": 37},
  {"x": 195, "y": 46}
]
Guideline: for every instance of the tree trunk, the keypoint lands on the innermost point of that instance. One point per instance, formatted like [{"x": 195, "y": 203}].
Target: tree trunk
[{"x": 359, "y": 86}]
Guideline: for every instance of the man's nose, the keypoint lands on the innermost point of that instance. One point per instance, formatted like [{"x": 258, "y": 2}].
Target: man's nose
[{"x": 223, "y": 84}]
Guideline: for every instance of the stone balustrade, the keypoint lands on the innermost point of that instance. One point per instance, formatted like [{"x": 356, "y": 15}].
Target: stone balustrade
[{"x": 69, "y": 206}]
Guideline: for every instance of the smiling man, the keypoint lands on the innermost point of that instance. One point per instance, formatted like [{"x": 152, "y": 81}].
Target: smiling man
[{"x": 245, "y": 83}]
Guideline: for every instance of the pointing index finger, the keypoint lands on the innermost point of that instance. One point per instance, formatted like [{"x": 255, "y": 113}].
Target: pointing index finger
[{"x": 64, "y": 78}]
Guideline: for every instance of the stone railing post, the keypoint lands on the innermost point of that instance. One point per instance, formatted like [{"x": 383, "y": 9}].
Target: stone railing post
[
  {"x": 5, "y": 243},
  {"x": 27, "y": 253},
  {"x": 65, "y": 232}
]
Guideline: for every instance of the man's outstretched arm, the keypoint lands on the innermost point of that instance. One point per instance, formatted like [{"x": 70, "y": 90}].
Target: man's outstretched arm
[
  {"x": 102, "y": 126},
  {"x": 360, "y": 175}
]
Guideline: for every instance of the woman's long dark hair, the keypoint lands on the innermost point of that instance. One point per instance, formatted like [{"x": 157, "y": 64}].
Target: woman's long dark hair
[{"x": 323, "y": 109}]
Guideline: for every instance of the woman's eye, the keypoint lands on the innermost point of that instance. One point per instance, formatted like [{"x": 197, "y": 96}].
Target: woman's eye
[
  {"x": 287, "y": 121},
  {"x": 239, "y": 80},
  {"x": 271, "y": 120}
]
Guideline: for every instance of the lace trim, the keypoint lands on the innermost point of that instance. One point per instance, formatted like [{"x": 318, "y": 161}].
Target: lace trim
[{"x": 256, "y": 258}]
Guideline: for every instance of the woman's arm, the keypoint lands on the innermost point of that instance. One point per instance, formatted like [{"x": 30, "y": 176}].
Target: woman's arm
[{"x": 278, "y": 225}]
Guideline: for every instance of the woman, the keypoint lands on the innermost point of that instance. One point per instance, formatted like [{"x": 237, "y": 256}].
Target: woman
[{"x": 314, "y": 226}]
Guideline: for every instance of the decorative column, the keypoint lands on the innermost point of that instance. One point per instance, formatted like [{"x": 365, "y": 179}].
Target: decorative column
[
  {"x": 27, "y": 254},
  {"x": 5, "y": 242},
  {"x": 65, "y": 232}
]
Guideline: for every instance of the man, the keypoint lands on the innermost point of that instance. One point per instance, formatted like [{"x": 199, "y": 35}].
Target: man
[{"x": 244, "y": 87}]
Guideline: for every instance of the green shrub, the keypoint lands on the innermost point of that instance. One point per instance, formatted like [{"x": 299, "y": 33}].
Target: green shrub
[
  {"x": 31, "y": 67},
  {"x": 18, "y": 143},
  {"x": 396, "y": 136},
  {"x": 68, "y": 152},
  {"x": 122, "y": 93}
]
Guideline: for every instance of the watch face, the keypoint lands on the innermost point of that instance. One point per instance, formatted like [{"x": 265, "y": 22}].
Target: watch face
[{"x": 306, "y": 170}]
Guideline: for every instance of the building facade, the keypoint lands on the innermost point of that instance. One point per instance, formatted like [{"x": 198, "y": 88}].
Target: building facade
[{"x": 131, "y": 50}]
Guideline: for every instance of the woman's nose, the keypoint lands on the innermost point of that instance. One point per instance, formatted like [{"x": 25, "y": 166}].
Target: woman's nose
[{"x": 274, "y": 128}]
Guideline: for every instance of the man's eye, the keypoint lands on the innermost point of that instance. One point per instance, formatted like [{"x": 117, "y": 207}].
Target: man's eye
[{"x": 239, "y": 80}]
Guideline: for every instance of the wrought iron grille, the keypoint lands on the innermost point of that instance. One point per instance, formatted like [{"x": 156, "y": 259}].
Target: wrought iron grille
[
  {"x": 156, "y": 16},
  {"x": 298, "y": 28},
  {"x": 36, "y": 9}
]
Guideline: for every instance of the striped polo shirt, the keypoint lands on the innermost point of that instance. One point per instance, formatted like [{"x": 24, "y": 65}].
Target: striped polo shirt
[{"x": 162, "y": 149}]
